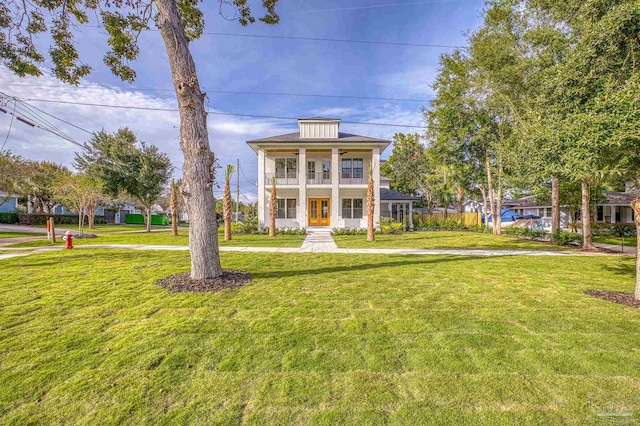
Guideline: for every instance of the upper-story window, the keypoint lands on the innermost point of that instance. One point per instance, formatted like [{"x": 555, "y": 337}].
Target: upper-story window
[
  {"x": 352, "y": 168},
  {"x": 286, "y": 167}
]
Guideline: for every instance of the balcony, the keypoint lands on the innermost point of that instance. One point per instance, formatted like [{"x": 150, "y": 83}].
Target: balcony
[
  {"x": 354, "y": 178},
  {"x": 319, "y": 178},
  {"x": 281, "y": 179}
]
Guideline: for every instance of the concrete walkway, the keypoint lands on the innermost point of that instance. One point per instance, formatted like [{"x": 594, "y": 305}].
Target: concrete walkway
[
  {"x": 617, "y": 248},
  {"x": 318, "y": 240}
]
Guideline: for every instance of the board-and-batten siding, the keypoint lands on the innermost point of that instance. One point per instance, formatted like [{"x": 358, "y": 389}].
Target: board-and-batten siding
[{"x": 319, "y": 130}]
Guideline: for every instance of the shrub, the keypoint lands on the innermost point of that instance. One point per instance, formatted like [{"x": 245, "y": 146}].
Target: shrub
[
  {"x": 249, "y": 226},
  {"x": 59, "y": 219},
  {"x": 565, "y": 238},
  {"x": 524, "y": 232},
  {"x": 481, "y": 229},
  {"x": 601, "y": 228},
  {"x": 9, "y": 217},
  {"x": 450, "y": 224},
  {"x": 390, "y": 226},
  {"x": 349, "y": 231},
  {"x": 291, "y": 231}
]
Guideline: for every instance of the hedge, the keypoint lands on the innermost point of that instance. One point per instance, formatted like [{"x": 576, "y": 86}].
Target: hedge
[
  {"x": 9, "y": 217},
  {"x": 133, "y": 218},
  {"x": 59, "y": 219}
]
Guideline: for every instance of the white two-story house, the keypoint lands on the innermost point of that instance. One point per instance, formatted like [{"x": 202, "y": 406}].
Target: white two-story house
[{"x": 321, "y": 177}]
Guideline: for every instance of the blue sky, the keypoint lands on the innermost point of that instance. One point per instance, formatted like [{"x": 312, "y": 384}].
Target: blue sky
[{"x": 262, "y": 65}]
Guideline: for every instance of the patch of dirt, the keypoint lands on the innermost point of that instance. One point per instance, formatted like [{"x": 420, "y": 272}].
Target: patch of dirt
[
  {"x": 179, "y": 283},
  {"x": 620, "y": 297}
]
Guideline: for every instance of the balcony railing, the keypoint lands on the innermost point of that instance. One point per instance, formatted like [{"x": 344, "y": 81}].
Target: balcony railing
[
  {"x": 318, "y": 178},
  {"x": 281, "y": 179},
  {"x": 354, "y": 179}
]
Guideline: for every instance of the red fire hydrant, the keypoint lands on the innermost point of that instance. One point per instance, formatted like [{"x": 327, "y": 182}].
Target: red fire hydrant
[{"x": 68, "y": 237}]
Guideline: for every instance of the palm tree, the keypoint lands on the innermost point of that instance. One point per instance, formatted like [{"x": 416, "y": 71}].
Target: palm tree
[
  {"x": 371, "y": 205},
  {"x": 273, "y": 209},
  {"x": 227, "y": 203},
  {"x": 174, "y": 205}
]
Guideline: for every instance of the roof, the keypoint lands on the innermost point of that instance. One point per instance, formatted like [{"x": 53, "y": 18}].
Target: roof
[
  {"x": 318, "y": 119},
  {"x": 391, "y": 195},
  {"x": 295, "y": 137}
]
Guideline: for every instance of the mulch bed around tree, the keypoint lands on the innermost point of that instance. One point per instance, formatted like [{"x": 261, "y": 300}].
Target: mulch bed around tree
[
  {"x": 179, "y": 283},
  {"x": 620, "y": 297}
]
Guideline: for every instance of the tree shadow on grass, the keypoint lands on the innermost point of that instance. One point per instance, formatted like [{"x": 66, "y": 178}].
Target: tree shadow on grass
[{"x": 365, "y": 266}]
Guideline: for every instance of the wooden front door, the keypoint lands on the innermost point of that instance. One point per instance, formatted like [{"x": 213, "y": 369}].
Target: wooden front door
[{"x": 319, "y": 211}]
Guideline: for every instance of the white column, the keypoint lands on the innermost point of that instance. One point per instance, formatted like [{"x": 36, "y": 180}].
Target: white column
[
  {"x": 302, "y": 192},
  {"x": 612, "y": 209},
  {"x": 261, "y": 189},
  {"x": 411, "y": 215},
  {"x": 376, "y": 183},
  {"x": 335, "y": 187}
]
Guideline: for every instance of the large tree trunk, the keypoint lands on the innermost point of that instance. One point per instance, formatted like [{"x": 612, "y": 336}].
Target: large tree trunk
[
  {"x": 490, "y": 187},
  {"x": 586, "y": 217},
  {"x": 148, "y": 214},
  {"x": 227, "y": 205},
  {"x": 497, "y": 221},
  {"x": 635, "y": 204},
  {"x": 198, "y": 168},
  {"x": 273, "y": 208},
  {"x": 371, "y": 206},
  {"x": 484, "y": 206},
  {"x": 555, "y": 206}
]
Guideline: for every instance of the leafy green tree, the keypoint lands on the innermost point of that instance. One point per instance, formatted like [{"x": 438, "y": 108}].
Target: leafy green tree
[
  {"x": 125, "y": 165},
  {"x": 179, "y": 22},
  {"x": 11, "y": 175},
  {"x": 40, "y": 179},
  {"x": 81, "y": 193},
  {"x": 407, "y": 165}
]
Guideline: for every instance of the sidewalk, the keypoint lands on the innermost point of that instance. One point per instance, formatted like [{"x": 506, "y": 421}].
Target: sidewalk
[
  {"x": 316, "y": 249},
  {"x": 617, "y": 248}
]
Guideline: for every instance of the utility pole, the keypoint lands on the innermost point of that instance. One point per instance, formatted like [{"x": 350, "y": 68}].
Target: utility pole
[{"x": 237, "y": 188}]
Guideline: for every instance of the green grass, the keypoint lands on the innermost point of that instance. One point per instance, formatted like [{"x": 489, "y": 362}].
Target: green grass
[
  {"x": 107, "y": 228},
  {"x": 18, "y": 234},
  {"x": 443, "y": 240},
  {"x": 165, "y": 238},
  {"x": 87, "y": 337},
  {"x": 628, "y": 241}
]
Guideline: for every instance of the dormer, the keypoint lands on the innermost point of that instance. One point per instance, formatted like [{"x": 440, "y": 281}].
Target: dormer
[{"x": 319, "y": 128}]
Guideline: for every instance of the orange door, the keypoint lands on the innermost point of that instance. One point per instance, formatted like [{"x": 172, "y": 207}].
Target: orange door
[{"x": 319, "y": 212}]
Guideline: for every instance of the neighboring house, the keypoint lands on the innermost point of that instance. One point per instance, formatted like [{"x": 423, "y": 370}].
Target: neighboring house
[
  {"x": 616, "y": 208},
  {"x": 321, "y": 178},
  {"x": 9, "y": 202}
]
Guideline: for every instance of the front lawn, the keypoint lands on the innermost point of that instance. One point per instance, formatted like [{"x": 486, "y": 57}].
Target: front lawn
[
  {"x": 443, "y": 240},
  {"x": 610, "y": 239},
  {"x": 166, "y": 239},
  {"x": 88, "y": 337},
  {"x": 19, "y": 234},
  {"x": 106, "y": 228}
]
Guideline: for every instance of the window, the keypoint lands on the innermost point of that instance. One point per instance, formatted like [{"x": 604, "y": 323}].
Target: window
[
  {"x": 311, "y": 170},
  {"x": 541, "y": 211},
  {"x": 352, "y": 168},
  {"x": 286, "y": 167},
  {"x": 326, "y": 169},
  {"x": 286, "y": 208},
  {"x": 346, "y": 168},
  {"x": 352, "y": 208},
  {"x": 357, "y": 208},
  {"x": 346, "y": 208},
  {"x": 600, "y": 214}
]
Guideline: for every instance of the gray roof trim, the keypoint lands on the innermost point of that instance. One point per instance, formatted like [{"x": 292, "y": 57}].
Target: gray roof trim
[
  {"x": 612, "y": 198},
  {"x": 295, "y": 137},
  {"x": 318, "y": 119},
  {"x": 391, "y": 195}
]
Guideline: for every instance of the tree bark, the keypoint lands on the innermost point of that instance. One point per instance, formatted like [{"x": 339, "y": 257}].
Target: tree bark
[
  {"x": 586, "y": 217},
  {"x": 273, "y": 209},
  {"x": 635, "y": 204},
  {"x": 497, "y": 221},
  {"x": 198, "y": 168},
  {"x": 490, "y": 188},
  {"x": 371, "y": 206},
  {"x": 148, "y": 219},
  {"x": 484, "y": 206},
  {"x": 555, "y": 206}
]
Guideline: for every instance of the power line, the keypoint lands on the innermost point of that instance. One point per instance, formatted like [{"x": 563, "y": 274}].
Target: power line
[
  {"x": 231, "y": 92},
  {"x": 217, "y": 113},
  {"x": 325, "y": 39},
  {"x": 10, "y": 126}
]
